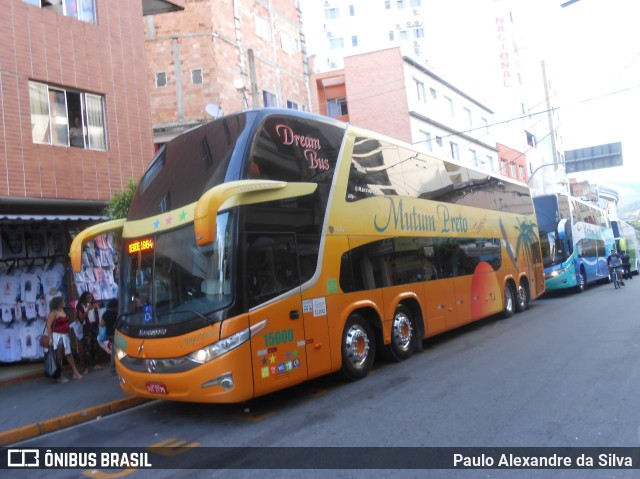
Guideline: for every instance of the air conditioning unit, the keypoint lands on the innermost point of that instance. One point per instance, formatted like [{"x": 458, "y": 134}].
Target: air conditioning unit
[
  {"x": 415, "y": 12},
  {"x": 332, "y": 64},
  {"x": 329, "y": 34}
]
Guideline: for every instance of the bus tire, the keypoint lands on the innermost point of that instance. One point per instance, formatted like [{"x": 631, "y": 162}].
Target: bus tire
[
  {"x": 509, "y": 302},
  {"x": 522, "y": 299},
  {"x": 358, "y": 348},
  {"x": 403, "y": 335},
  {"x": 582, "y": 281}
]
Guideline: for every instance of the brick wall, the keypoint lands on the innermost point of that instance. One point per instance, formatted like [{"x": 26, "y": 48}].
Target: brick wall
[{"x": 106, "y": 59}]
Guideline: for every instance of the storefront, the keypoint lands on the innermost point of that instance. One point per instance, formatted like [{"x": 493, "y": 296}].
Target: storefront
[{"x": 34, "y": 268}]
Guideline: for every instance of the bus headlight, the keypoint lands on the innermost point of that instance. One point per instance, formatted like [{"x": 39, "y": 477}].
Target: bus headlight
[
  {"x": 120, "y": 354},
  {"x": 225, "y": 345}
]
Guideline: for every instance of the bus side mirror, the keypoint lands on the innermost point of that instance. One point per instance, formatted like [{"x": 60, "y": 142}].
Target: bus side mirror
[
  {"x": 75, "y": 252},
  {"x": 241, "y": 192},
  {"x": 209, "y": 204}
]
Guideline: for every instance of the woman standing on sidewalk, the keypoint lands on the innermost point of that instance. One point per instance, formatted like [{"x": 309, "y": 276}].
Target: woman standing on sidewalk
[
  {"x": 58, "y": 331},
  {"x": 87, "y": 311}
]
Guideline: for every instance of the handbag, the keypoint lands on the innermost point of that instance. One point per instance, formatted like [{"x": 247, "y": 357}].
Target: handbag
[{"x": 51, "y": 364}]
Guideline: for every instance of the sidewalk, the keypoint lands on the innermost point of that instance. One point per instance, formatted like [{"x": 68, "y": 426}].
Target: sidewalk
[{"x": 33, "y": 405}]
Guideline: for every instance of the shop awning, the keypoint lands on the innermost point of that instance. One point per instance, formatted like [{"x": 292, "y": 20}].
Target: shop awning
[{"x": 61, "y": 218}]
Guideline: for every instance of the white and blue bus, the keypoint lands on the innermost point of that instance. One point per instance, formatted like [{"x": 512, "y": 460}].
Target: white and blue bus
[{"x": 576, "y": 237}]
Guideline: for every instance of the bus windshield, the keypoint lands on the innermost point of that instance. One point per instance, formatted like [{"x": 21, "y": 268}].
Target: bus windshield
[
  {"x": 552, "y": 250},
  {"x": 170, "y": 280}
]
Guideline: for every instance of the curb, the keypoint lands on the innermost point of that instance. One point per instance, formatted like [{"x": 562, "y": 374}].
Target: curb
[{"x": 30, "y": 431}]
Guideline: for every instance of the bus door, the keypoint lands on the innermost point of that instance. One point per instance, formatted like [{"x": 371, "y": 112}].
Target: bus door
[{"x": 278, "y": 350}]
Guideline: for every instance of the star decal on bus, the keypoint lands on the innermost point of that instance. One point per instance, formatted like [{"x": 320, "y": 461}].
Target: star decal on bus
[{"x": 156, "y": 224}]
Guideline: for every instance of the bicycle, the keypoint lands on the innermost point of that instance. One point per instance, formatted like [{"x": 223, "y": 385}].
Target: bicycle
[{"x": 615, "y": 272}]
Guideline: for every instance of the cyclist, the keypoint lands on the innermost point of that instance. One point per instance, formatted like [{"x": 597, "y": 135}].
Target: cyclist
[{"x": 615, "y": 265}]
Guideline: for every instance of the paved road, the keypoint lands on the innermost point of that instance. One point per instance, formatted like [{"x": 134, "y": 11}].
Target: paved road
[{"x": 566, "y": 373}]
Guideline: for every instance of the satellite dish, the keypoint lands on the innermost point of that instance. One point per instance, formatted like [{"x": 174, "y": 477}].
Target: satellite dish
[{"x": 213, "y": 110}]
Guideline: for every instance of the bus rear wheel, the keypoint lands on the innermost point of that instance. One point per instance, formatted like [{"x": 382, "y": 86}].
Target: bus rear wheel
[
  {"x": 403, "y": 335},
  {"x": 358, "y": 348},
  {"x": 509, "y": 302},
  {"x": 522, "y": 302}
]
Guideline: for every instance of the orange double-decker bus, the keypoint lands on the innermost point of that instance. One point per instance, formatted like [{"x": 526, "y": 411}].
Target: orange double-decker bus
[{"x": 269, "y": 247}]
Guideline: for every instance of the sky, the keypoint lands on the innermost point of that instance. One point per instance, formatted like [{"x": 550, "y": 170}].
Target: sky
[
  {"x": 591, "y": 49},
  {"x": 592, "y": 52}
]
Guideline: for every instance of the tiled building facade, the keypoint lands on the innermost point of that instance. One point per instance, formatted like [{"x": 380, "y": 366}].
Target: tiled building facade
[{"x": 228, "y": 54}]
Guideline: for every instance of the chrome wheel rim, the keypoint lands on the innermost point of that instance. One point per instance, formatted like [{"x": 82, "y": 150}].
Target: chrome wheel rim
[
  {"x": 402, "y": 331},
  {"x": 357, "y": 345}
]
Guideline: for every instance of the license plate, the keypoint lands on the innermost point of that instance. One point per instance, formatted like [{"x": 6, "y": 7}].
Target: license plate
[{"x": 157, "y": 388}]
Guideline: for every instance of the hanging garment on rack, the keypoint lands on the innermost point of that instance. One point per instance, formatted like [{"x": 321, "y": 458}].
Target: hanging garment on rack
[
  {"x": 30, "y": 287},
  {"x": 9, "y": 289},
  {"x": 7, "y": 312}
]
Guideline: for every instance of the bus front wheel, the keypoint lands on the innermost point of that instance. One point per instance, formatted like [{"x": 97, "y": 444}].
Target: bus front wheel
[
  {"x": 509, "y": 302},
  {"x": 358, "y": 348},
  {"x": 403, "y": 335}
]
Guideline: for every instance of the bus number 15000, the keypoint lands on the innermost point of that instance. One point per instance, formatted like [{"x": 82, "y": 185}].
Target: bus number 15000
[{"x": 279, "y": 337}]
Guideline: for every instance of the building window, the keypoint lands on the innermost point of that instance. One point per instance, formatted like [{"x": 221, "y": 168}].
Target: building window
[
  {"x": 391, "y": 35},
  {"x": 439, "y": 141},
  {"x": 486, "y": 125},
  {"x": 196, "y": 76},
  {"x": 269, "y": 99},
  {"x": 434, "y": 93},
  {"x": 450, "y": 103},
  {"x": 531, "y": 139},
  {"x": 503, "y": 166},
  {"x": 337, "y": 107},
  {"x": 415, "y": 3},
  {"x": 263, "y": 29},
  {"x": 336, "y": 43},
  {"x": 161, "y": 79},
  {"x": 418, "y": 33},
  {"x": 489, "y": 163},
  {"x": 455, "y": 154},
  {"x": 288, "y": 42},
  {"x": 331, "y": 13},
  {"x": 474, "y": 157},
  {"x": 352, "y": 10},
  {"x": 467, "y": 113},
  {"x": 400, "y": 4},
  {"x": 422, "y": 97},
  {"x": 404, "y": 35},
  {"x": 426, "y": 139},
  {"x": 67, "y": 117},
  {"x": 387, "y": 4},
  {"x": 354, "y": 41},
  {"x": 513, "y": 170},
  {"x": 521, "y": 175},
  {"x": 291, "y": 105},
  {"x": 83, "y": 10}
]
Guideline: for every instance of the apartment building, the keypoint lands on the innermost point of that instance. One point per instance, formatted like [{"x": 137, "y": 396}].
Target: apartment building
[
  {"x": 408, "y": 102},
  {"x": 75, "y": 126},
  {"x": 218, "y": 57}
]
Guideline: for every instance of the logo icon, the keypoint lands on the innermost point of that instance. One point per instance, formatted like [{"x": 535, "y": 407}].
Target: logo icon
[{"x": 23, "y": 458}]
